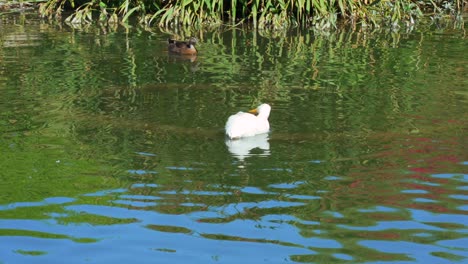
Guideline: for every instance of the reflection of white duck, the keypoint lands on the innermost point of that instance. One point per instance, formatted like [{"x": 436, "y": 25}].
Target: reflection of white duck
[
  {"x": 248, "y": 124},
  {"x": 240, "y": 148}
]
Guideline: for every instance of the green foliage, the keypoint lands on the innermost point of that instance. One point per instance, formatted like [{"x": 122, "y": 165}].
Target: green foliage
[
  {"x": 264, "y": 14},
  {"x": 89, "y": 11},
  {"x": 189, "y": 12}
]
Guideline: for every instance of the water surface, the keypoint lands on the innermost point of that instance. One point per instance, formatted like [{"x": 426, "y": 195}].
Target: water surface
[{"x": 112, "y": 150}]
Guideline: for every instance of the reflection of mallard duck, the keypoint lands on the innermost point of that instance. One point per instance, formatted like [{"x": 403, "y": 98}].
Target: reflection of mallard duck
[
  {"x": 183, "y": 47},
  {"x": 248, "y": 124}
]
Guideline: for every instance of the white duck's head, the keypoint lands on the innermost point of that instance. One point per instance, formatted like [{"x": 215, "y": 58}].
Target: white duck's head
[{"x": 262, "y": 111}]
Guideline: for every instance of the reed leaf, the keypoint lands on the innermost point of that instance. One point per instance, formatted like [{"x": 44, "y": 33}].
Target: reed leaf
[{"x": 130, "y": 12}]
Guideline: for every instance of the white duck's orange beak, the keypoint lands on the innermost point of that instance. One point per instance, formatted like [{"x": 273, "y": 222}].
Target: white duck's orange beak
[{"x": 254, "y": 111}]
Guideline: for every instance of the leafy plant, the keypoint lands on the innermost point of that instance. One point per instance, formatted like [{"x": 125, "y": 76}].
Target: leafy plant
[{"x": 263, "y": 14}]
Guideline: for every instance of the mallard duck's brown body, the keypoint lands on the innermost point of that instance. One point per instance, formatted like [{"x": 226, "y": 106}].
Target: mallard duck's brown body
[{"x": 182, "y": 47}]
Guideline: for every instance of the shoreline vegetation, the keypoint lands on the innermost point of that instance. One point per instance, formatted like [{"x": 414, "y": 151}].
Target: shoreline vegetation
[{"x": 260, "y": 14}]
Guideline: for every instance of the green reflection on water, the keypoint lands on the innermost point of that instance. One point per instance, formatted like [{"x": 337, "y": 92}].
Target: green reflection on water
[
  {"x": 7, "y": 232},
  {"x": 32, "y": 253}
]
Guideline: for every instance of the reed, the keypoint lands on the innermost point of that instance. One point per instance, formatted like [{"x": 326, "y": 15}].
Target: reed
[{"x": 263, "y": 14}]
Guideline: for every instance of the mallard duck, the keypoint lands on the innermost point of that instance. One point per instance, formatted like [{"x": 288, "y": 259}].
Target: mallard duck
[
  {"x": 183, "y": 47},
  {"x": 249, "y": 124}
]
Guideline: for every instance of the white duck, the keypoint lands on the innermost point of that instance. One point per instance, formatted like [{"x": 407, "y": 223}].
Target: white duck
[{"x": 248, "y": 124}]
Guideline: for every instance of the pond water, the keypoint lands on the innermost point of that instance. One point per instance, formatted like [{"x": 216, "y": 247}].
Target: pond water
[{"x": 112, "y": 150}]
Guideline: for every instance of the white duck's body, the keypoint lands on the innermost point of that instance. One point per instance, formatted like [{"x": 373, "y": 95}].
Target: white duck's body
[{"x": 246, "y": 124}]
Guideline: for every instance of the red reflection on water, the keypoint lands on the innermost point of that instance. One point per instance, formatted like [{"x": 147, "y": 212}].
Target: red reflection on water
[{"x": 402, "y": 175}]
